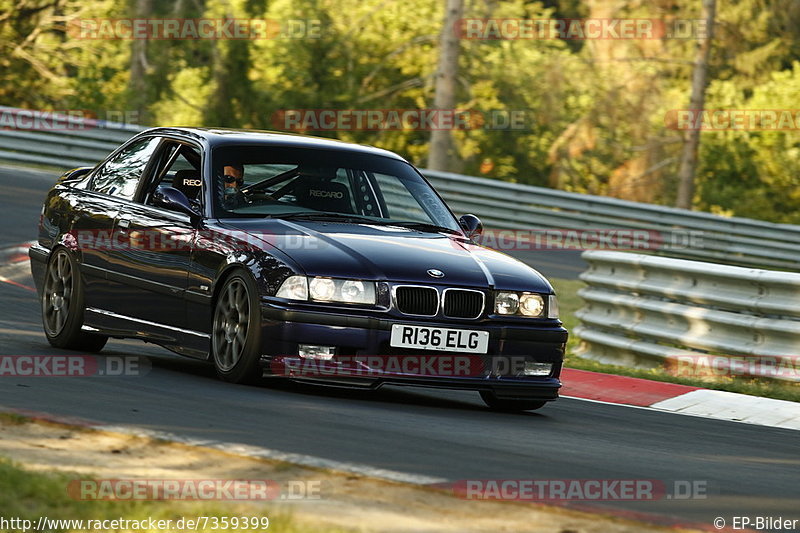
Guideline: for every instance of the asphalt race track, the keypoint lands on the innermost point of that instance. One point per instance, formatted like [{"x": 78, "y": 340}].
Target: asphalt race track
[{"x": 749, "y": 470}]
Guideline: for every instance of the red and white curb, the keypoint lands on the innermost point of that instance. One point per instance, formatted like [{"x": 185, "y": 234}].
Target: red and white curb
[
  {"x": 15, "y": 254},
  {"x": 14, "y": 266},
  {"x": 681, "y": 399}
]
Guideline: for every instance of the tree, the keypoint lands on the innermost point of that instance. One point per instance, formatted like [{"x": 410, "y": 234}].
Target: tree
[
  {"x": 688, "y": 164},
  {"x": 137, "y": 84},
  {"x": 441, "y": 148}
]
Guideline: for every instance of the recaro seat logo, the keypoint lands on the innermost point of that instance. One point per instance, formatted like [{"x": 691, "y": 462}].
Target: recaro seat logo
[
  {"x": 326, "y": 194},
  {"x": 192, "y": 183}
]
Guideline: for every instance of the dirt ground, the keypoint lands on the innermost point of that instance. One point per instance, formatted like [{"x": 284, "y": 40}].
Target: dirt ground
[{"x": 350, "y": 502}]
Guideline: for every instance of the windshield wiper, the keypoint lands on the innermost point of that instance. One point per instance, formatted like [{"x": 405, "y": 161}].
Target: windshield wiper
[
  {"x": 321, "y": 215},
  {"x": 421, "y": 226}
]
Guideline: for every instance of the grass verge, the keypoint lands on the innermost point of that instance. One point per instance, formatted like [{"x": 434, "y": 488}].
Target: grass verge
[
  {"x": 29, "y": 495},
  {"x": 570, "y": 302}
]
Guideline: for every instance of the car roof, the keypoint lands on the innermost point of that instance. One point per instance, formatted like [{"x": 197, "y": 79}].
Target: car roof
[{"x": 214, "y": 137}]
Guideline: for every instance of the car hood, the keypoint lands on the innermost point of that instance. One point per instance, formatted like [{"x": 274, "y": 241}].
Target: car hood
[{"x": 363, "y": 251}]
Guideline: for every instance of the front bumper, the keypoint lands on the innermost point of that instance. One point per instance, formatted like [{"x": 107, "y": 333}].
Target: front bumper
[{"x": 361, "y": 337}]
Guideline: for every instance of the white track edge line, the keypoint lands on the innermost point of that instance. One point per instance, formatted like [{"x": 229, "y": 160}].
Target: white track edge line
[{"x": 277, "y": 455}]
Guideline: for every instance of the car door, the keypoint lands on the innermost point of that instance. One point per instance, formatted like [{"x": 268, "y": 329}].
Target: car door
[
  {"x": 154, "y": 264},
  {"x": 111, "y": 186}
]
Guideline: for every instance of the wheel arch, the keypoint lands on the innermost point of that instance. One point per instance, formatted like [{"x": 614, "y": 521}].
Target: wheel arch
[{"x": 223, "y": 277}]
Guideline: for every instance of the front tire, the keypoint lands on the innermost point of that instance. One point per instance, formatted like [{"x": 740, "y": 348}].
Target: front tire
[
  {"x": 506, "y": 405},
  {"x": 63, "y": 306},
  {"x": 236, "y": 330}
]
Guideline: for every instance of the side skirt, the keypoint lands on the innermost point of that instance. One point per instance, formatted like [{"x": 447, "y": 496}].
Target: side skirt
[{"x": 121, "y": 326}]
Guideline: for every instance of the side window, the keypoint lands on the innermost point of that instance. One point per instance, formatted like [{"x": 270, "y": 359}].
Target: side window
[
  {"x": 180, "y": 169},
  {"x": 120, "y": 175}
]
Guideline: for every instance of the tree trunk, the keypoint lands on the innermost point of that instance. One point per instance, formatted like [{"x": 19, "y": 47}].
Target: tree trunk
[
  {"x": 686, "y": 172},
  {"x": 441, "y": 146},
  {"x": 137, "y": 84}
]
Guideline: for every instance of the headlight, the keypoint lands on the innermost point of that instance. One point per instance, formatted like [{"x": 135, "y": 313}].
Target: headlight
[
  {"x": 294, "y": 288},
  {"x": 506, "y": 303},
  {"x": 358, "y": 292},
  {"x": 529, "y": 304},
  {"x": 320, "y": 289}
]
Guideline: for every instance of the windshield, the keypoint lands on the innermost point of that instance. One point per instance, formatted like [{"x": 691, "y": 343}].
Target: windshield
[{"x": 253, "y": 181}]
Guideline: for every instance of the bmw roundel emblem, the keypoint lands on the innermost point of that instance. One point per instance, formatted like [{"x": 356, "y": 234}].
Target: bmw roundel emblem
[{"x": 435, "y": 273}]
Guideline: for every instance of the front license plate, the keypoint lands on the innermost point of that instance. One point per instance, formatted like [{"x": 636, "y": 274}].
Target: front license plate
[{"x": 442, "y": 339}]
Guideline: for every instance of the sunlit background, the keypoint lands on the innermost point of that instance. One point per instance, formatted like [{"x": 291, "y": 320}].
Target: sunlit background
[{"x": 596, "y": 109}]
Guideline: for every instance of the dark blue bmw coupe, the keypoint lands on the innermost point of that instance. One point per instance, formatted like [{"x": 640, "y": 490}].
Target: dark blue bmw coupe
[{"x": 290, "y": 256}]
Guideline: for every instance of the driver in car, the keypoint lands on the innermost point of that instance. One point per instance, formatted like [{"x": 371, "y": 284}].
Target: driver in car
[{"x": 233, "y": 180}]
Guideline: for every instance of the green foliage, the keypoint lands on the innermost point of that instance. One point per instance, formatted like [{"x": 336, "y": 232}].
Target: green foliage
[
  {"x": 753, "y": 173},
  {"x": 592, "y": 112}
]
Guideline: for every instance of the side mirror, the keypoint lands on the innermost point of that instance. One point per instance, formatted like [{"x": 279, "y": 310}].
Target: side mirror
[
  {"x": 471, "y": 225},
  {"x": 174, "y": 200},
  {"x": 75, "y": 174}
]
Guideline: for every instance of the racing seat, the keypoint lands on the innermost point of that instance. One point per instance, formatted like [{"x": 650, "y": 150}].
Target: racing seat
[
  {"x": 322, "y": 194},
  {"x": 188, "y": 182}
]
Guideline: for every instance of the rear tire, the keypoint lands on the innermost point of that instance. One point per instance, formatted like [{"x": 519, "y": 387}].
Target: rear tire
[
  {"x": 236, "y": 330},
  {"x": 506, "y": 405},
  {"x": 63, "y": 306}
]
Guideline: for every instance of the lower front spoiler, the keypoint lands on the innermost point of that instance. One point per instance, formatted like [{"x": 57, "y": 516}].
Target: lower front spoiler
[
  {"x": 502, "y": 389},
  {"x": 545, "y": 389}
]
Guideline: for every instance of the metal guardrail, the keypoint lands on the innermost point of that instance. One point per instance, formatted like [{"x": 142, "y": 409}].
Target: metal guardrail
[
  {"x": 501, "y": 205},
  {"x": 59, "y": 140},
  {"x": 738, "y": 241},
  {"x": 647, "y": 311}
]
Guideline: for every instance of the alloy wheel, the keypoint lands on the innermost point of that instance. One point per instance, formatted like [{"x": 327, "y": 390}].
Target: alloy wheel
[
  {"x": 231, "y": 321},
  {"x": 58, "y": 292}
]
